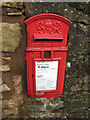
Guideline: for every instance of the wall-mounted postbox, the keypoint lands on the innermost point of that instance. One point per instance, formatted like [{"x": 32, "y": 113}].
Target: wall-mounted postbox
[{"x": 46, "y": 53}]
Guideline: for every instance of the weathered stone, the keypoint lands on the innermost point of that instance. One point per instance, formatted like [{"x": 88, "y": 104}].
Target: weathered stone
[
  {"x": 82, "y": 6},
  {"x": 6, "y": 58},
  {"x": 10, "y": 109},
  {"x": 9, "y": 112},
  {"x": 13, "y": 4},
  {"x": 75, "y": 88},
  {"x": 85, "y": 21},
  {"x": 1, "y": 97},
  {"x": 18, "y": 99},
  {"x": 0, "y": 3},
  {"x": 11, "y": 36},
  {"x": 17, "y": 84},
  {"x": 59, "y": 105},
  {"x": 4, "y": 68},
  {"x": 36, "y": 105},
  {"x": 74, "y": 101},
  {"x": 1, "y": 81},
  {"x": 84, "y": 28},
  {"x": 19, "y": 13},
  {"x": 0, "y": 36},
  {"x": 7, "y": 10},
  {"x": 4, "y": 88},
  {"x": 81, "y": 57},
  {"x": 41, "y": 115},
  {"x": 37, "y": 108},
  {"x": 68, "y": 64}
]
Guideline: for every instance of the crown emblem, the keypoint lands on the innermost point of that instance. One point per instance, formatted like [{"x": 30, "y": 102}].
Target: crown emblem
[{"x": 48, "y": 24}]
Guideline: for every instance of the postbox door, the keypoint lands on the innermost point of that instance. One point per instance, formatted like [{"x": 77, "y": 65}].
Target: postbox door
[{"x": 46, "y": 77}]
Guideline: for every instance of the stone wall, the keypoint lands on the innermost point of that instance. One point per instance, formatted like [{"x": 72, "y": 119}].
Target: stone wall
[{"x": 15, "y": 101}]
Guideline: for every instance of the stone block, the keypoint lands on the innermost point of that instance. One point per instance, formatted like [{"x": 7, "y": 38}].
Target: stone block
[
  {"x": 4, "y": 88},
  {"x": 4, "y": 68},
  {"x": 1, "y": 97},
  {"x": 18, "y": 13},
  {"x": 6, "y": 58},
  {"x": 11, "y": 36},
  {"x": 10, "y": 109},
  {"x": 1, "y": 81},
  {"x": 17, "y": 84},
  {"x": 0, "y": 4},
  {"x": 13, "y": 4}
]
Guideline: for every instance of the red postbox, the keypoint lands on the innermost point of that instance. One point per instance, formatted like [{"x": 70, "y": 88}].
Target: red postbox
[{"x": 46, "y": 53}]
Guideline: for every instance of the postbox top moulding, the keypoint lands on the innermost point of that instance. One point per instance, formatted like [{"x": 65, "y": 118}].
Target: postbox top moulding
[{"x": 47, "y": 16}]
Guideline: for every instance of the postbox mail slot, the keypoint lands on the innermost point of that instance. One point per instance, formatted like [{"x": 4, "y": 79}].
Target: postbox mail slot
[{"x": 48, "y": 37}]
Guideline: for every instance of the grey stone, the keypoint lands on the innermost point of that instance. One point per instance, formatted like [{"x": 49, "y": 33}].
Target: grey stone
[
  {"x": 37, "y": 108},
  {"x": 6, "y": 58},
  {"x": 18, "y": 13},
  {"x": 0, "y": 3},
  {"x": 13, "y": 4},
  {"x": 17, "y": 84},
  {"x": 11, "y": 36},
  {"x": 0, "y": 36},
  {"x": 60, "y": 104},
  {"x": 75, "y": 95},
  {"x": 4, "y": 88},
  {"x": 4, "y": 68},
  {"x": 46, "y": 106},
  {"x": 84, "y": 28},
  {"x": 1, "y": 97},
  {"x": 9, "y": 112},
  {"x": 54, "y": 106},
  {"x": 86, "y": 21},
  {"x": 1, "y": 81},
  {"x": 68, "y": 64},
  {"x": 82, "y": 6}
]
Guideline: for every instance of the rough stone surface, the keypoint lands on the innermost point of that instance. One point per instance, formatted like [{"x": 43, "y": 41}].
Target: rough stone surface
[
  {"x": 6, "y": 58},
  {"x": 13, "y": 4},
  {"x": 1, "y": 97},
  {"x": 11, "y": 36},
  {"x": 18, "y": 13},
  {"x": 1, "y": 81},
  {"x": 0, "y": 3},
  {"x": 17, "y": 84},
  {"x": 9, "y": 109},
  {"x": 12, "y": 105},
  {"x": 11, "y": 11},
  {"x": 68, "y": 64},
  {"x": 74, "y": 101},
  {"x": 0, "y": 36},
  {"x": 82, "y": 6},
  {"x": 4, "y": 68},
  {"x": 43, "y": 105},
  {"x": 4, "y": 88}
]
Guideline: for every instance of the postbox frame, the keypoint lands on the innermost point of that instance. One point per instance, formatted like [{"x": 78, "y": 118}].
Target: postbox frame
[{"x": 32, "y": 46}]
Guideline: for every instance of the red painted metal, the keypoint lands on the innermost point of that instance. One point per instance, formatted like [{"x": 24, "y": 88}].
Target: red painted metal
[
  {"x": 46, "y": 32},
  {"x": 42, "y": 37}
]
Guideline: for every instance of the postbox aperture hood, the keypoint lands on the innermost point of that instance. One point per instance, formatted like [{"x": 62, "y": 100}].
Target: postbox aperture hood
[
  {"x": 47, "y": 16},
  {"x": 46, "y": 28}
]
